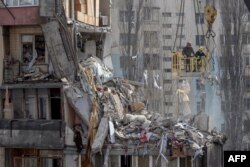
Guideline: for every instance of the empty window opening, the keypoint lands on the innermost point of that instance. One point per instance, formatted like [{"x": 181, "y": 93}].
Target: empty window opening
[
  {"x": 55, "y": 104},
  {"x": 126, "y": 161}
]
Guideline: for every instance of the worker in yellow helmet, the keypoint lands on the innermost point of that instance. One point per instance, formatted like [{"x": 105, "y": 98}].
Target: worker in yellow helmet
[{"x": 199, "y": 56}]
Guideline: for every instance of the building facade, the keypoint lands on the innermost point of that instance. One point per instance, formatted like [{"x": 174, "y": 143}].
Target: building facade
[{"x": 173, "y": 25}]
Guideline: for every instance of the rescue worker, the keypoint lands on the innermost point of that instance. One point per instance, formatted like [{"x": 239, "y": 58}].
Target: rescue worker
[
  {"x": 200, "y": 55},
  {"x": 188, "y": 53}
]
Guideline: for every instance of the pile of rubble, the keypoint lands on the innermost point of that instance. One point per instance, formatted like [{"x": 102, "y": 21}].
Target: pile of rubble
[{"x": 119, "y": 112}]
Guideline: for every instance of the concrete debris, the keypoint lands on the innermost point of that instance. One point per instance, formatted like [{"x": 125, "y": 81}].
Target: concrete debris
[
  {"x": 100, "y": 71},
  {"x": 101, "y": 134},
  {"x": 79, "y": 101},
  {"x": 111, "y": 132},
  {"x": 125, "y": 118}
]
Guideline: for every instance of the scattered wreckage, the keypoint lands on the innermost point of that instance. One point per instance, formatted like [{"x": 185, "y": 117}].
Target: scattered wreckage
[{"x": 116, "y": 116}]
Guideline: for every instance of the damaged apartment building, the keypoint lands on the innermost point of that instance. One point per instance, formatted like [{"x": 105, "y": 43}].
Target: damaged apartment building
[{"x": 61, "y": 105}]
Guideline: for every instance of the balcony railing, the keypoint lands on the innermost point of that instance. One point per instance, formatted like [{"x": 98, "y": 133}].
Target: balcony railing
[
  {"x": 32, "y": 134},
  {"x": 185, "y": 66}
]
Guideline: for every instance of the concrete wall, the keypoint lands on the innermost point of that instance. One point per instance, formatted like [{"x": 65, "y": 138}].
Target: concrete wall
[
  {"x": 38, "y": 134},
  {"x": 190, "y": 30},
  {"x": 70, "y": 160}
]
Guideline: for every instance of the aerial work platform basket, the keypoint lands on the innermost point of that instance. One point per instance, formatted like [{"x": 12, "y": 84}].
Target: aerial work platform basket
[{"x": 189, "y": 66}]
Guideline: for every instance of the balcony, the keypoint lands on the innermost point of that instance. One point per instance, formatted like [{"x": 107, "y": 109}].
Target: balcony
[
  {"x": 44, "y": 134},
  {"x": 91, "y": 12}
]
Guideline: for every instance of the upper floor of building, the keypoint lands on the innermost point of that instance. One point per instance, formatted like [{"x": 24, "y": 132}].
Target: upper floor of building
[{"x": 35, "y": 12}]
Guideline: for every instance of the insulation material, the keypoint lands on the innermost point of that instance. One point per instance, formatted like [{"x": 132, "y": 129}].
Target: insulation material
[{"x": 99, "y": 70}]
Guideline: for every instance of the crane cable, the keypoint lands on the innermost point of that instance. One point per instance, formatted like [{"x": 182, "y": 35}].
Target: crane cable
[
  {"x": 182, "y": 20},
  {"x": 210, "y": 13},
  {"x": 179, "y": 19}
]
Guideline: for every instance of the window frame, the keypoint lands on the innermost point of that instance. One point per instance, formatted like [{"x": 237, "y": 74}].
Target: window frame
[
  {"x": 166, "y": 14},
  {"x": 148, "y": 36},
  {"x": 247, "y": 103},
  {"x": 199, "y": 18},
  {"x": 19, "y": 3},
  {"x": 151, "y": 61},
  {"x": 200, "y": 40},
  {"x": 167, "y": 25},
  {"x": 150, "y": 12},
  {"x": 123, "y": 16},
  {"x": 123, "y": 39},
  {"x": 45, "y": 62}
]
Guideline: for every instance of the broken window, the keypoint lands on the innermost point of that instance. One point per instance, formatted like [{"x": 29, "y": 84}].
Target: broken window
[
  {"x": 198, "y": 106},
  {"x": 33, "y": 48},
  {"x": 50, "y": 162},
  {"x": 169, "y": 103},
  {"x": 146, "y": 13},
  {"x": 200, "y": 40},
  {"x": 34, "y": 103},
  {"x": 151, "y": 39},
  {"x": 168, "y": 59},
  {"x": 126, "y": 161},
  {"x": 166, "y": 14},
  {"x": 151, "y": 61},
  {"x": 127, "y": 16},
  {"x": 30, "y": 104},
  {"x": 168, "y": 70},
  {"x": 167, "y": 36},
  {"x": 247, "y": 82},
  {"x": 166, "y": 48},
  {"x": 199, "y": 18},
  {"x": 43, "y": 103},
  {"x": 167, "y": 25},
  {"x": 34, "y": 162},
  {"x": 247, "y": 103},
  {"x": 151, "y": 14},
  {"x": 25, "y": 162},
  {"x": 55, "y": 103},
  {"x": 246, "y": 38},
  {"x": 18, "y": 103},
  {"x": 124, "y": 39},
  {"x": 155, "y": 14}
]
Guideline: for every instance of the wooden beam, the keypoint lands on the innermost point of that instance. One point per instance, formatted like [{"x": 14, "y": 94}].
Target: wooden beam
[
  {"x": 90, "y": 7},
  {"x": 91, "y": 20},
  {"x": 101, "y": 134},
  {"x": 97, "y": 11}
]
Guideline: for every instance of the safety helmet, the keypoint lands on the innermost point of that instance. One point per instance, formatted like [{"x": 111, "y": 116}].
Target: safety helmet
[{"x": 201, "y": 48}]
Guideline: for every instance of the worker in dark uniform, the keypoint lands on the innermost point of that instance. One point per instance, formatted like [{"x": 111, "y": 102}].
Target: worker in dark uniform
[
  {"x": 200, "y": 55},
  {"x": 188, "y": 53}
]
